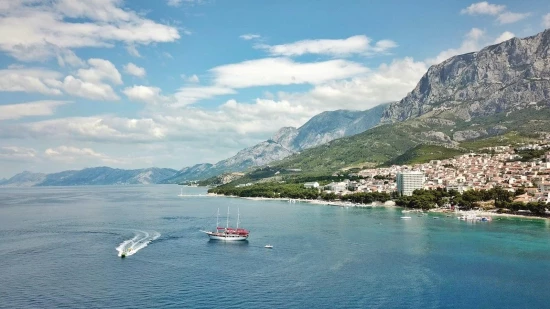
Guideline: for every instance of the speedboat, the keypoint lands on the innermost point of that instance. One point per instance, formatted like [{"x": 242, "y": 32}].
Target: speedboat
[
  {"x": 268, "y": 246},
  {"x": 405, "y": 218}
]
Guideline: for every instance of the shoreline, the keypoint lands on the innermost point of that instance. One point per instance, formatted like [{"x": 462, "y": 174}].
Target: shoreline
[{"x": 481, "y": 213}]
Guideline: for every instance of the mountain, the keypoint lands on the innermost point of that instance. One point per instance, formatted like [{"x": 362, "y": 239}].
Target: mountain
[
  {"x": 331, "y": 125},
  {"x": 507, "y": 76},
  {"x": 24, "y": 179},
  {"x": 91, "y": 176},
  {"x": 320, "y": 129},
  {"x": 502, "y": 90}
]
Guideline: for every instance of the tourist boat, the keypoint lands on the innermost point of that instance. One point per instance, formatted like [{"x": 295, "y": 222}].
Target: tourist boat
[
  {"x": 406, "y": 218},
  {"x": 227, "y": 233},
  {"x": 268, "y": 246}
]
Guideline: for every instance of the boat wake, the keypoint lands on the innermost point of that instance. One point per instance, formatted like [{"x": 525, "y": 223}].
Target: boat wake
[{"x": 140, "y": 240}]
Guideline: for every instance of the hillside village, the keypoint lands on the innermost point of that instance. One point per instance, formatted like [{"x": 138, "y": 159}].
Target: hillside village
[{"x": 502, "y": 166}]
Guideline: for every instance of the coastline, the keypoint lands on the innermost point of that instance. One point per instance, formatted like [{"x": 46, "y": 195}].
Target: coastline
[{"x": 480, "y": 213}]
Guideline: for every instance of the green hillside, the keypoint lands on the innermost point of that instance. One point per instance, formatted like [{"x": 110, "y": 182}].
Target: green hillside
[
  {"x": 391, "y": 142},
  {"x": 424, "y": 153}
]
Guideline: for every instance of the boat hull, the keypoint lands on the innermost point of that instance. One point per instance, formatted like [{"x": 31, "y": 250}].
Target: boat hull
[{"x": 227, "y": 237}]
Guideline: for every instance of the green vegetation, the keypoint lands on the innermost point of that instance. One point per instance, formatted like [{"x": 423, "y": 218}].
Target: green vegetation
[
  {"x": 296, "y": 191},
  {"x": 423, "y": 154},
  {"x": 427, "y": 199},
  {"x": 530, "y": 154},
  {"x": 270, "y": 190}
]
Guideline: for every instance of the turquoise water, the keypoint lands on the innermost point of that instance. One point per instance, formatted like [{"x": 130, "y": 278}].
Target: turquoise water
[{"x": 58, "y": 250}]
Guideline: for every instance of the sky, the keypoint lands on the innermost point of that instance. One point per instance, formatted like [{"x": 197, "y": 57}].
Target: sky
[{"x": 173, "y": 83}]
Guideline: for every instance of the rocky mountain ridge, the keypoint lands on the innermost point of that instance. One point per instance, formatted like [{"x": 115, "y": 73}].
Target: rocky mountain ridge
[
  {"x": 320, "y": 129},
  {"x": 507, "y": 76}
]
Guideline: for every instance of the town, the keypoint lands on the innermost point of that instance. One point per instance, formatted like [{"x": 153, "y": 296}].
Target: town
[{"x": 511, "y": 168}]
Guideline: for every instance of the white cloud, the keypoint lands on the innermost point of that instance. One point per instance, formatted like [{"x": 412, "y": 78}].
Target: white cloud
[
  {"x": 174, "y": 2},
  {"x": 189, "y": 95},
  {"x": 546, "y": 21},
  {"x": 36, "y": 108},
  {"x": 150, "y": 95},
  {"x": 283, "y": 71},
  {"x": 133, "y": 69},
  {"x": 483, "y": 8},
  {"x": 509, "y": 17},
  {"x": 30, "y": 80},
  {"x": 95, "y": 129},
  {"x": 193, "y": 79},
  {"x": 471, "y": 42},
  {"x": 99, "y": 71},
  {"x": 71, "y": 154},
  {"x": 16, "y": 153},
  {"x": 177, "y": 3},
  {"x": 390, "y": 82},
  {"x": 132, "y": 50},
  {"x": 503, "y": 17},
  {"x": 89, "y": 90},
  {"x": 358, "y": 44},
  {"x": 505, "y": 36},
  {"x": 35, "y": 30},
  {"x": 68, "y": 58},
  {"x": 250, "y": 36}
]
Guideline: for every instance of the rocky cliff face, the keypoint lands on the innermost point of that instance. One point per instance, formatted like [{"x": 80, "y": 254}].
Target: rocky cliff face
[
  {"x": 508, "y": 76},
  {"x": 320, "y": 129}
]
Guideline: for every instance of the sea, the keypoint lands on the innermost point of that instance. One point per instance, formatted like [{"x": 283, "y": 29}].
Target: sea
[{"x": 60, "y": 247}]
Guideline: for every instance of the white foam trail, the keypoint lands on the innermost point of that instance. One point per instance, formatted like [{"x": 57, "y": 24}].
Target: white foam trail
[{"x": 140, "y": 240}]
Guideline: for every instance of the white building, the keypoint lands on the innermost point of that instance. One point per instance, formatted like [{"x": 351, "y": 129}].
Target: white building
[
  {"x": 407, "y": 182},
  {"x": 311, "y": 185},
  {"x": 337, "y": 186}
]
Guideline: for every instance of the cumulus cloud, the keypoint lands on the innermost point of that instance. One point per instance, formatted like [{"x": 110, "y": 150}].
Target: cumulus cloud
[
  {"x": 389, "y": 82},
  {"x": 132, "y": 50},
  {"x": 16, "y": 153},
  {"x": 189, "y": 95},
  {"x": 89, "y": 90},
  {"x": 37, "y": 80},
  {"x": 67, "y": 58},
  {"x": 358, "y": 44},
  {"x": 150, "y": 95},
  {"x": 503, "y": 16},
  {"x": 193, "y": 79},
  {"x": 36, "y": 108},
  {"x": 250, "y": 36},
  {"x": 174, "y": 2},
  {"x": 38, "y": 29},
  {"x": 134, "y": 70},
  {"x": 505, "y": 36},
  {"x": 546, "y": 21},
  {"x": 509, "y": 17},
  {"x": 283, "y": 71},
  {"x": 483, "y": 8},
  {"x": 100, "y": 70},
  {"x": 71, "y": 154},
  {"x": 470, "y": 43}
]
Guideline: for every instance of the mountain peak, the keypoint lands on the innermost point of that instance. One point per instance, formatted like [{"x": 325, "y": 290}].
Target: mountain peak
[{"x": 501, "y": 77}]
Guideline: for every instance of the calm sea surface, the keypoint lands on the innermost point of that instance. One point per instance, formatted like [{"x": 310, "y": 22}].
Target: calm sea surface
[{"x": 58, "y": 249}]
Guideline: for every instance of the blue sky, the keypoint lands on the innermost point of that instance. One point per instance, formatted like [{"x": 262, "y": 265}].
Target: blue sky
[{"x": 171, "y": 83}]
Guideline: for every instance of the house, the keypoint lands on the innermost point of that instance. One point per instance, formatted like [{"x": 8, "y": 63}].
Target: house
[
  {"x": 311, "y": 185},
  {"x": 337, "y": 186}
]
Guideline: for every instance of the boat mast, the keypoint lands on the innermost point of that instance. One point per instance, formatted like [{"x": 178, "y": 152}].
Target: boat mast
[
  {"x": 227, "y": 224},
  {"x": 218, "y": 219},
  {"x": 238, "y": 217}
]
